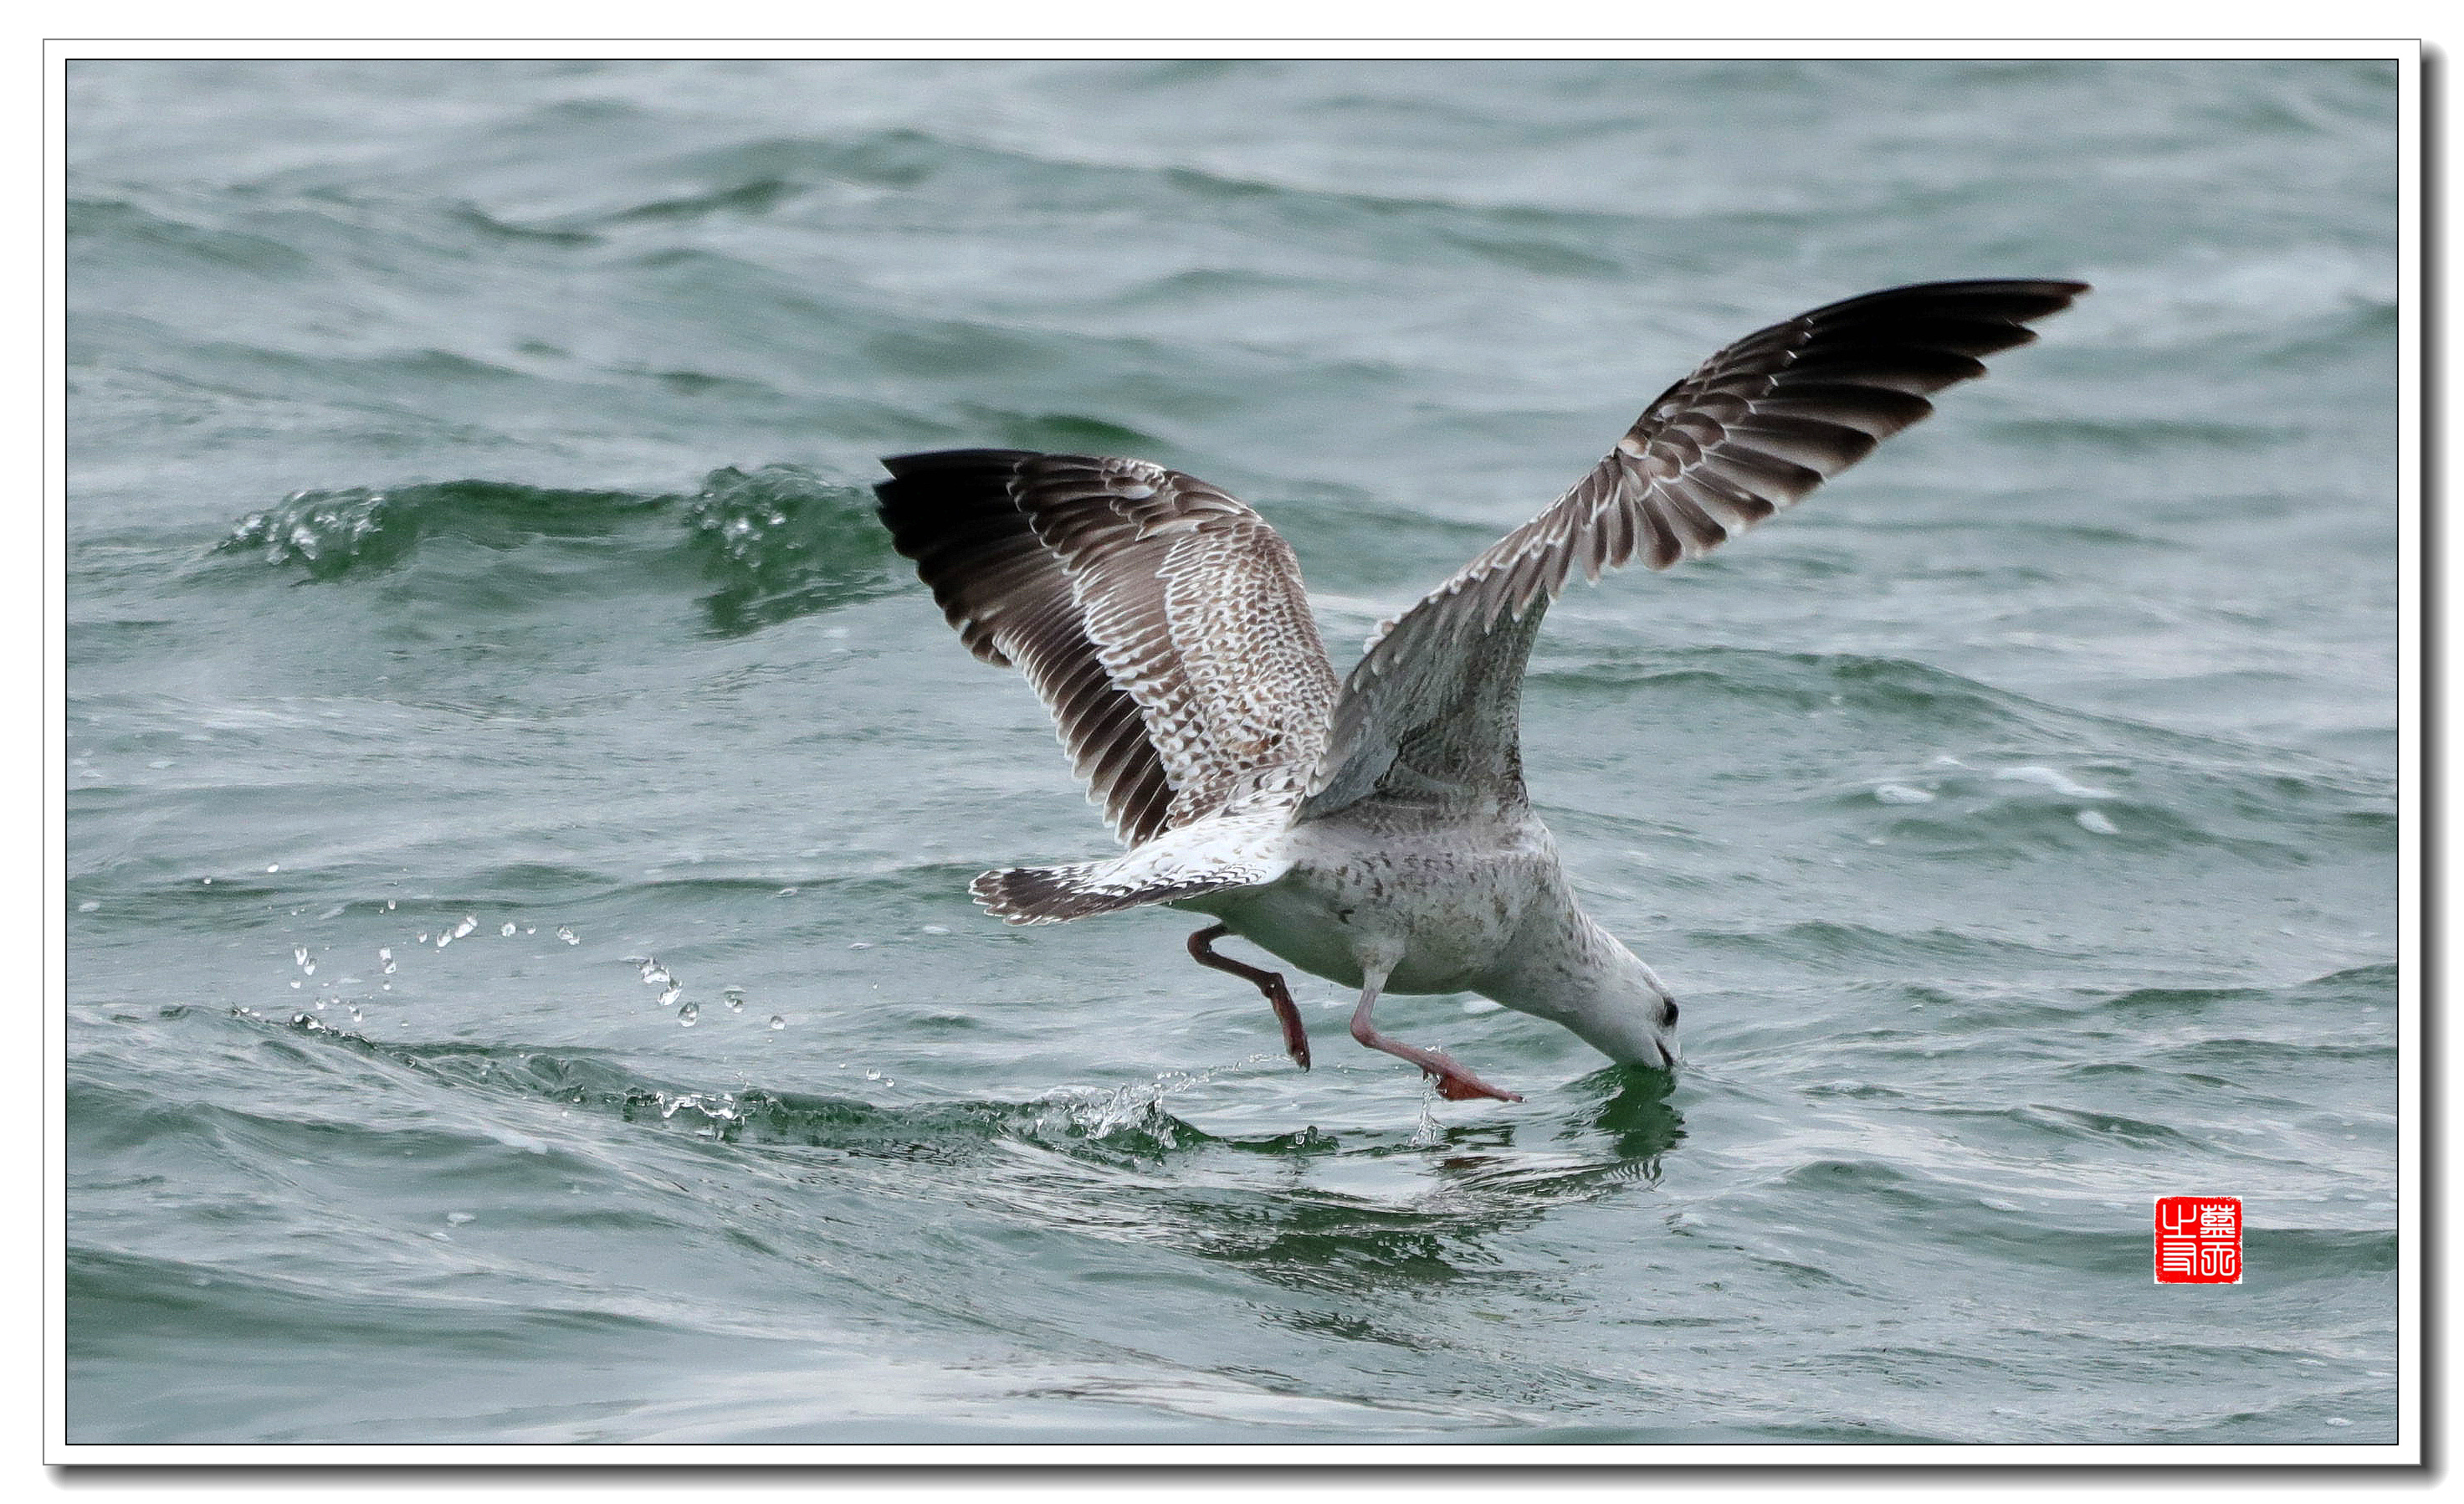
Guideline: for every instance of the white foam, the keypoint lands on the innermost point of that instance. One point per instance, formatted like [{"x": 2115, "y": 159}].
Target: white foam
[{"x": 2055, "y": 779}]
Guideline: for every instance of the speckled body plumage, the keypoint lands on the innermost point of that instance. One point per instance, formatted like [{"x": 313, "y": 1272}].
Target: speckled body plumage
[{"x": 1438, "y": 905}]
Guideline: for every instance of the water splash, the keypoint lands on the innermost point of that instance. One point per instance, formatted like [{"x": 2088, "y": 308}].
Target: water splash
[
  {"x": 1101, "y": 1112},
  {"x": 1428, "y": 1133}
]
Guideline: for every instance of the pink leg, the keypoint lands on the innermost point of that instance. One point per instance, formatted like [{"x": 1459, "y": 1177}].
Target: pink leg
[
  {"x": 1201, "y": 949},
  {"x": 1454, "y": 1083}
]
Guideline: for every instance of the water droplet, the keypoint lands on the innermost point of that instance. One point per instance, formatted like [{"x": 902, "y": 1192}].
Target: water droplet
[
  {"x": 295, "y": 986},
  {"x": 533, "y": 930},
  {"x": 688, "y": 1015},
  {"x": 91, "y": 905},
  {"x": 670, "y": 995},
  {"x": 274, "y": 866},
  {"x": 457, "y": 1218},
  {"x": 390, "y": 905},
  {"x": 2097, "y": 821},
  {"x": 733, "y": 997},
  {"x": 777, "y": 1022},
  {"x": 507, "y": 931},
  {"x": 422, "y": 936},
  {"x": 310, "y": 968},
  {"x": 468, "y": 924},
  {"x": 936, "y": 929},
  {"x": 567, "y": 936},
  {"x": 2338, "y": 1419},
  {"x": 299, "y": 955},
  {"x": 859, "y": 944},
  {"x": 443, "y": 939},
  {"x": 208, "y": 881},
  {"x": 1902, "y": 794},
  {"x": 873, "y": 1076}
]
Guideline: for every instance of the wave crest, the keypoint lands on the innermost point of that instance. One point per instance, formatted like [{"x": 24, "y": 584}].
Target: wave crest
[{"x": 779, "y": 542}]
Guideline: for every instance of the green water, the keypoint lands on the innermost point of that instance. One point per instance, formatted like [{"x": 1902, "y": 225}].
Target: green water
[{"x": 469, "y": 532}]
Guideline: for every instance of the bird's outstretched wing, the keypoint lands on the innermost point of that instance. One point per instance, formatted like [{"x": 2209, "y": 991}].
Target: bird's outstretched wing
[
  {"x": 1162, "y": 622},
  {"x": 1430, "y": 715}
]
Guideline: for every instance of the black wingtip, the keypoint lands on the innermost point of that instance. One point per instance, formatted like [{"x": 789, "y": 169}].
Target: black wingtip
[
  {"x": 2013, "y": 299},
  {"x": 952, "y": 461},
  {"x": 941, "y": 497}
]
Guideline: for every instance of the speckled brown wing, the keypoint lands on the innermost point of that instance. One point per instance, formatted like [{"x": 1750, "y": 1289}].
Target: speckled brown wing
[
  {"x": 1431, "y": 713},
  {"x": 1162, "y": 622}
]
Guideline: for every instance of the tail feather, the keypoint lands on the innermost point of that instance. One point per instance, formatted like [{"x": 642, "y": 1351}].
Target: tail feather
[
  {"x": 1055, "y": 894},
  {"x": 1205, "y": 858}
]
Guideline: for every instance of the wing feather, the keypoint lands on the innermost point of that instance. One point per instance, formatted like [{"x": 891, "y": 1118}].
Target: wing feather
[
  {"x": 1162, "y": 622},
  {"x": 1430, "y": 713}
]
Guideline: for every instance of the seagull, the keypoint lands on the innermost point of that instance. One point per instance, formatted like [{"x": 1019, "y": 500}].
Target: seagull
[{"x": 1374, "y": 829}]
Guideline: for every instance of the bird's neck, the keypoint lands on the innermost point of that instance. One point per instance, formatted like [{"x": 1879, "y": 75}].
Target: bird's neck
[{"x": 1584, "y": 977}]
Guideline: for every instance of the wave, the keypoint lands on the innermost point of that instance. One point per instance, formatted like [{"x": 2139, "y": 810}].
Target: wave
[
  {"x": 331, "y": 534},
  {"x": 779, "y": 542}
]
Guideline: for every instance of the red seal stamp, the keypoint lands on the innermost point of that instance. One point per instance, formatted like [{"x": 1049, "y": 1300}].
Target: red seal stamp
[{"x": 2198, "y": 1240}]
